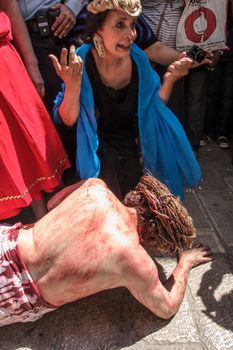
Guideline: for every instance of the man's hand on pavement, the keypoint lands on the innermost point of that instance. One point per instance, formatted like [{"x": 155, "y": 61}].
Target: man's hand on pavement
[{"x": 197, "y": 255}]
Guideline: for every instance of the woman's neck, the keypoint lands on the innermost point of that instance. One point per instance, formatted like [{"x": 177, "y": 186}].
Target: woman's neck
[
  {"x": 114, "y": 71},
  {"x": 109, "y": 60}
]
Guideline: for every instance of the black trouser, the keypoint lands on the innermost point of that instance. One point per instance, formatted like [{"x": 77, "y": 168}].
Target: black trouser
[
  {"x": 120, "y": 170},
  {"x": 188, "y": 102},
  {"x": 42, "y": 48},
  {"x": 220, "y": 100},
  {"x": 176, "y": 101}
]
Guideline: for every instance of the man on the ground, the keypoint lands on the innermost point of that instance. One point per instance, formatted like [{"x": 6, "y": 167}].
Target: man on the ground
[{"x": 90, "y": 242}]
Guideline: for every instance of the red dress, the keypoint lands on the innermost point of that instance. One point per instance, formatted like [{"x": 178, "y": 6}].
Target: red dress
[{"x": 32, "y": 158}]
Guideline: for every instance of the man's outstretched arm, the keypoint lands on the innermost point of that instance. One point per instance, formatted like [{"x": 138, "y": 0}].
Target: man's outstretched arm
[{"x": 162, "y": 299}]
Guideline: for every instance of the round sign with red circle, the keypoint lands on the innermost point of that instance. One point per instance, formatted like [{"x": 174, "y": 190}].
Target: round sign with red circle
[{"x": 200, "y": 25}]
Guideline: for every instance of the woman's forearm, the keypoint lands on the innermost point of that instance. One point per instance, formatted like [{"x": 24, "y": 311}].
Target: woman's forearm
[
  {"x": 175, "y": 71},
  {"x": 166, "y": 90},
  {"x": 70, "y": 107}
]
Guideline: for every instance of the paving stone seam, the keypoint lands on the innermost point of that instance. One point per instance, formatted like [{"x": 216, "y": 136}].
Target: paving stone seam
[
  {"x": 215, "y": 228},
  {"x": 201, "y": 207},
  {"x": 173, "y": 346},
  {"x": 192, "y": 304},
  {"x": 227, "y": 184},
  {"x": 57, "y": 344},
  {"x": 125, "y": 321}
]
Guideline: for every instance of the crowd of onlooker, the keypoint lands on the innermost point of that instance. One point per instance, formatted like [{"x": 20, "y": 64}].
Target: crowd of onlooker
[
  {"x": 45, "y": 34},
  {"x": 203, "y": 100}
]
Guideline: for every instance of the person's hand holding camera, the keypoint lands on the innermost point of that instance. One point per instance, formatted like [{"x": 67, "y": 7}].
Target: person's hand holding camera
[
  {"x": 64, "y": 22},
  {"x": 198, "y": 55},
  {"x": 214, "y": 60}
]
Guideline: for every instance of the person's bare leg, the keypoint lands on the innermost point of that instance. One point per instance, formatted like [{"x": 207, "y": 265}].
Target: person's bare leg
[{"x": 39, "y": 208}]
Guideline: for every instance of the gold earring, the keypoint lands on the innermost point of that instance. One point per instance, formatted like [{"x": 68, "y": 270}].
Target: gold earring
[{"x": 99, "y": 45}]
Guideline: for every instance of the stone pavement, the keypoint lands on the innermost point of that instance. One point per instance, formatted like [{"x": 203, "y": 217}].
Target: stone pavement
[{"x": 115, "y": 320}]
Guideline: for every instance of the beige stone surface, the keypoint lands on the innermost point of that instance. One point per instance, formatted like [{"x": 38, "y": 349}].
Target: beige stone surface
[{"x": 114, "y": 320}]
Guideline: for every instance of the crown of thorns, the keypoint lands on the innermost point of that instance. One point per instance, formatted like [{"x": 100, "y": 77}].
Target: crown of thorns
[
  {"x": 131, "y": 7},
  {"x": 167, "y": 221}
]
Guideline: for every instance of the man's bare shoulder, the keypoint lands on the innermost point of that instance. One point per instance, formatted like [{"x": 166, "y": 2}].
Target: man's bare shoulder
[
  {"x": 91, "y": 216},
  {"x": 136, "y": 264},
  {"x": 93, "y": 188},
  {"x": 76, "y": 187}
]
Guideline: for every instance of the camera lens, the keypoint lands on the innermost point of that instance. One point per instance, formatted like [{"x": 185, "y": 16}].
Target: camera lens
[{"x": 200, "y": 55}]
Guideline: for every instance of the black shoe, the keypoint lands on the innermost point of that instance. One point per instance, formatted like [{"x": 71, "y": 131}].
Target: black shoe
[{"x": 223, "y": 142}]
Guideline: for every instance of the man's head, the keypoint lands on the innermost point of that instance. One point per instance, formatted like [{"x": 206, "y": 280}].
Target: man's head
[{"x": 166, "y": 223}]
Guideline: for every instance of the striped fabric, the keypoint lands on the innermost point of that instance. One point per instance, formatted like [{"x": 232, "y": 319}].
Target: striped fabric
[
  {"x": 20, "y": 300},
  {"x": 152, "y": 10}
]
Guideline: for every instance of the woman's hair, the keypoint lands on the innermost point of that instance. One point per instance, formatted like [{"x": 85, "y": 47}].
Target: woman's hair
[
  {"x": 99, "y": 9},
  {"x": 166, "y": 222},
  {"x": 93, "y": 23},
  {"x": 131, "y": 7}
]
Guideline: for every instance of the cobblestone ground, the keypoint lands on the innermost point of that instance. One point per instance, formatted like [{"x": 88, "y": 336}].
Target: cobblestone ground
[{"x": 114, "y": 320}]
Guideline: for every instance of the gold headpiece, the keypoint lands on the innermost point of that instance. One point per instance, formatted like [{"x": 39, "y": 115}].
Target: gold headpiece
[{"x": 131, "y": 7}]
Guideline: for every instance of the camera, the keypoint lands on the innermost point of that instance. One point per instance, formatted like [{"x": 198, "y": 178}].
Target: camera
[
  {"x": 45, "y": 21},
  {"x": 196, "y": 53}
]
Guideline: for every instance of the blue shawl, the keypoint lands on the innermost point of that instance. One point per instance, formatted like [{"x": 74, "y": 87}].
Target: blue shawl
[{"x": 166, "y": 151}]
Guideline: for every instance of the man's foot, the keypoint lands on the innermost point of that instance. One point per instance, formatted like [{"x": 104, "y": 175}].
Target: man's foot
[{"x": 223, "y": 142}]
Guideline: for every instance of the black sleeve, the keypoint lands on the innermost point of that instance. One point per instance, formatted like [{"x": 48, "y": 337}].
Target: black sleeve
[
  {"x": 145, "y": 35},
  {"x": 77, "y": 34}
]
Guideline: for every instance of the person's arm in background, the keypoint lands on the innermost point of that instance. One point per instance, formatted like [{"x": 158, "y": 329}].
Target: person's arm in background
[
  {"x": 162, "y": 54},
  {"x": 156, "y": 51},
  {"x": 23, "y": 43},
  {"x": 67, "y": 17}
]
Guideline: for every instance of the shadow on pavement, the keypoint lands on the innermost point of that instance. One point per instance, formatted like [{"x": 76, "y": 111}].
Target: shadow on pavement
[
  {"x": 108, "y": 320},
  {"x": 216, "y": 292}
]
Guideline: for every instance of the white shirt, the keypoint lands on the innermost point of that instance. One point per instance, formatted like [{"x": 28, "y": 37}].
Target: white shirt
[{"x": 30, "y": 7}]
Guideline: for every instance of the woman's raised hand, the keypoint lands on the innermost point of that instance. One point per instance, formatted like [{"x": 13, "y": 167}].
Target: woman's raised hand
[
  {"x": 178, "y": 69},
  {"x": 69, "y": 68}
]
